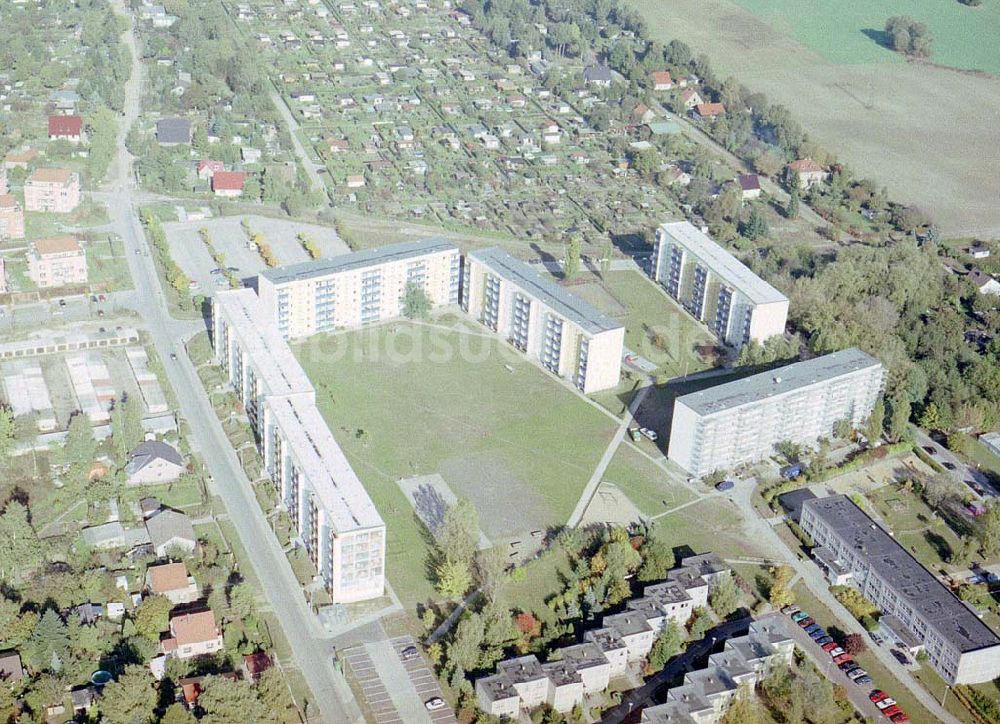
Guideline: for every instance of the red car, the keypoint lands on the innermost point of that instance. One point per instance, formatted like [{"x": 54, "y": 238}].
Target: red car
[
  {"x": 806, "y": 622},
  {"x": 877, "y": 695},
  {"x": 843, "y": 659},
  {"x": 899, "y": 718},
  {"x": 830, "y": 647},
  {"x": 891, "y": 711}
]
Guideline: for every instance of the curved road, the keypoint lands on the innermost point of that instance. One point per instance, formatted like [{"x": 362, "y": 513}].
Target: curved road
[{"x": 332, "y": 700}]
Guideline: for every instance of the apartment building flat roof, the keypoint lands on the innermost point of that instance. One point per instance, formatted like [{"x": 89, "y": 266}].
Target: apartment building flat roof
[
  {"x": 723, "y": 263},
  {"x": 272, "y": 358},
  {"x": 588, "y": 317},
  {"x": 777, "y": 382},
  {"x": 913, "y": 583},
  {"x": 356, "y": 260},
  {"x": 323, "y": 463}
]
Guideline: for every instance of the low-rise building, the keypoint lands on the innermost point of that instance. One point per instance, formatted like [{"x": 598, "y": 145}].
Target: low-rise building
[
  {"x": 169, "y": 531},
  {"x": 154, "y": 462},
  {"x": 52, "y": 190},
  {"x": 11, "y": 218},
  {"x": 173, "y": 131},
  {"x": 66, "y": 128},
  {"x": 228, "y": 183},
  {"x": 193, "y": 634},
  {"x": 565, "y": 334},
  {"x": 56, "y": 262},
  {"x": 959, "y": 646},
  {"x": 809, "y": 172},
  {"x": 173, "y": 581}
]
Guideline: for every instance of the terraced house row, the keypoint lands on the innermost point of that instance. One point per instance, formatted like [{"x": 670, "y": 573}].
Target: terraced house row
[
  {"x": 575, "y": 672},
  {"x": 336, "y": 520}
]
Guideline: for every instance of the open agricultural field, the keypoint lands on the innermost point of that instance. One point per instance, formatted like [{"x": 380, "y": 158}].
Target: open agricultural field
[
  {"x": 894, "y": 121},
  {"x": 408, "y": 399}
]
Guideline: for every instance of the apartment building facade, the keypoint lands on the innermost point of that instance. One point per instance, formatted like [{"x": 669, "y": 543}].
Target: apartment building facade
[
  {"x": 706, "y": 694},
  {"x": 575, "y": 672},
  {"x": 342, "y": 531},
  {"x": 11, "y": 218},
  {"x": 739, "y": 422},
  {"x": 568, "y": 336},
  {"x": 56, "y": 262},
  {"x": 354, "y": 289},
  {"x": 715, "y": 288},
  {"x": 960, "y": 647},
  {"x": 53, "y": 190}
]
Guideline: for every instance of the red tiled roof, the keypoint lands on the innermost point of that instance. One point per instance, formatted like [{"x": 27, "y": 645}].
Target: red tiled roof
[
  {"x": 710, "y": 110},
  {"x": 213, "y": 165},
  {"x": 662, "y": 77},
  {"x": 168, "y": 577},
  {"x": 805, "y": 165},
  {"x": 65, "y": 126},
  {"x": 194, "y": 628},
  {"x": 257, "y": 662},
  {"x": 749, "y": 182},
  {"x": 228, "y": 181}
]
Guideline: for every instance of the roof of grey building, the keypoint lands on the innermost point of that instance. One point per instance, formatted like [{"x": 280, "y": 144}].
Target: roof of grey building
[
  {"x": 583, "y": 656},
  {"x": 357, "y": 260},
  {"x": 777, "y": 382},
  {"x": 704, "y": 564},
  {"x": 627, "y": 623},
  {"x": 522, "y": 275},
  {"x": 562, "y": 673},
  {"x": 497, "y": 687},
  {"x": 149, "y": 451},
  {"x": 668, "y": 592},
  {"x": 173, "y": 130},
  {"x": 522, "y": 669},
  {"x": 908, "y": 579},
  {"x": 606, "y": 639},
  {"x": 671, "y": 712},
  {"x": 167, "y": 525},
  {"x": 722, "y": 263}
]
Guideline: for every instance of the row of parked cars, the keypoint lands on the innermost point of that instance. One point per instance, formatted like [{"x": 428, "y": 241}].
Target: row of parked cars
[{"x": 846, "y": 663}]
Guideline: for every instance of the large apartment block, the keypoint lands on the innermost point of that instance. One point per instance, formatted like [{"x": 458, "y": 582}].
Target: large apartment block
[
  {"x": 715, "y": 288},
  {"x": 740, "y": 422},
  {"x": 56, "y": 262},
  {"x": 569, "y": 337},
  {"x": 575, "y": 672},
  {"x": 354, "y": 289},
  {"x": 706, "y": 694},
  {"x": 56, "y": 190},
  {"x": 960, "y": 647},
  {"x": 336, "y": 520}
]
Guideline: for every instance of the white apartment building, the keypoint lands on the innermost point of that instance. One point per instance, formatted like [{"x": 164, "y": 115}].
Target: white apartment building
[
  {"x": 960, "y": 647},
  {"x": 335, "y": 518},
  {"x": 575, "y": 672},
  {"x": 740, "y": 422},
  {"x": 736, "y": 304},
  {"x": 354, "y": 289},
  {"x": 568, "y": 336}
]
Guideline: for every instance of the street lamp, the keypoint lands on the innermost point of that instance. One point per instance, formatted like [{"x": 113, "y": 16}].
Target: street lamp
[{"x": 947, "y": 688}]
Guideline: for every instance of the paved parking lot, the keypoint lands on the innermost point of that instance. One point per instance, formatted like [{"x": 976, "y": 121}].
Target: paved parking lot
[{"x": 395, "y": 690}]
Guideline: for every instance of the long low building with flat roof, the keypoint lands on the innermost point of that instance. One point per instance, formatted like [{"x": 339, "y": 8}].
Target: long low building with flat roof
[
  {"x": 715, "y": 288},
  {"x": 739, "y": 422},
  {"x": 349, "y": 290},
  {"x": 960, "y": 647},
  {"x": 337, "y": 521},
  {"x": 568, "y": 336}
]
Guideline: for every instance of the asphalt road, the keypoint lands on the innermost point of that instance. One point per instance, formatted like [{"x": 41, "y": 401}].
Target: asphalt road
[
  {"x": 956, "y": 468},
  {"x": 331, "y": 694}
]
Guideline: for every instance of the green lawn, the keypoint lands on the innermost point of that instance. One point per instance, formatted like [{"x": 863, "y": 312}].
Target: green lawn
[
  {"x": 646, "y": 484},
  {"x": 849, "y": 31},
  {"x": 915, "y": 526},
  {"x": 406, "y": 400},
  {"x": 712, "y": 524}
]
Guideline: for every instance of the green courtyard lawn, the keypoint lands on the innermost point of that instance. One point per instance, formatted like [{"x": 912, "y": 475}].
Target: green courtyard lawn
[
  {"x": 650, "y": 488},
  {"x": 713, "y": 524},
  {"x": 850, "y": 31},
  {"x": 405, "y": 399},
  {"x": 915, "y": 526}
]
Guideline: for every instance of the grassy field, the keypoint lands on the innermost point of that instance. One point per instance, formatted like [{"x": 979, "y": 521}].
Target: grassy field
[
  {"x": 915, "y": 526},
  {"x": 645, "y": 483},
  {"x": 407, "y": 400},
  {"x": 842, "y": 30},
  {"x": 896, "y": 122}
]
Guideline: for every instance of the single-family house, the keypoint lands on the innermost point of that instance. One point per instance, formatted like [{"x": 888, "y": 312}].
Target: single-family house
[
  {"x": 173, "y": 581},
  {"x": 228, "y": 183},
  {"x": 709, "y": 111},
  {"x": 11, "y": 668},
  {"x": 691, "y": 98},
  {"x": 809, "y": 172},
  {"x": 170, "y": 530},
  {"x": 154, "y": 462},
  {"x": 255, "y": 664},
  {"x": 208, "y": 168},
  {"x": 642, "y": 113},
  {"x": 661, "y": 80},
  {"x": 173, "y": 131},
  {"x": 599, "y": 75},
  {"x": 193, "y": 634},
  {"x": 19, "y": 159},
  {"x": 749, "y": 185},
  {"x": 978, "y": 251},
  {"x": 983, "y": 282},
  {"x": 66, "y": 128}
]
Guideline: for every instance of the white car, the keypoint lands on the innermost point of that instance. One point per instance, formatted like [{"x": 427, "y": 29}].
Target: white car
[
  {"x": 856, "y": 674},
  {"x": 885, "y": 703},
  {"x": 435, "y": 703},
  {"x": 834, "y": 653},
  {"x": 651, "y": 434}
]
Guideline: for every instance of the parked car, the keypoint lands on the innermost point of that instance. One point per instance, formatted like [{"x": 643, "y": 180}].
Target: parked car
[
  {"x": 885, "y": 703},
  {"x": 806, "y": 622},
  {"x": 799, "y": 615},
  {"x": 900, "y": 657},
  {"x": 435, "y": 703},
  {"x": 829, "y": 646},
  {"x": 930, "y": 450},
  {"x": 409, "y": 653},
  {"x": 790, "y": 609},
  {"x": 630, "y": 358},
  {"x": 948, "y": 465},
  {"x": 651, "y": 434},
  {"x": 890, "y": 710},
  {"x": 857, "y": 673},
  {"x": 842, "y": 658},
  {"x": 877, "y": 695},
  {"x": 635, "y": 434},
  {"x": 899, "y": 718},
  {"x": 848, "y": 666},
  {"x": 817, "y": 635},
  {"x": 790, "y": 472},
  {"x": 876, "y": 638},
  {"x": 835, "y": 652},
  {"x": 824, "y": 640},
  {"x": 724, "y": 485},
  {"x": 62, "y": 302},
  {"x": 863, "y": 680}
]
